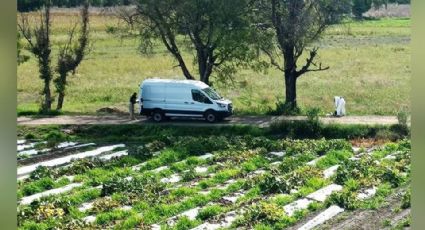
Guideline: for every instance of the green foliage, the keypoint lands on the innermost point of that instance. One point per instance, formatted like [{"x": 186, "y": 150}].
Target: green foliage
[
  {"x": 184, "y": 223},
  {"x": 146, "y": 186},
  {"x": 209, "y": 211},
  {"x": 54, "y": 137},
  {"x": 83, "y": 165},
  {"x": 105, "y": 204},
  {"x": 189, "y": 175},
  {"x": 284, "y": 108},
  {"x": 405, "y": 201},
  {"x": 360, "y": 6},
  {"x": 313, "y": 115},
  {"x": 268, "y": 213},
  {"x": 345, "y": 199},
  {"x": 333, "y": 158},
  {"x": 215, "y": 46},
  {"x": 146, "y": 151},
  {"x": 42, "y": 172},
  {"x": 40, "y": 185}
]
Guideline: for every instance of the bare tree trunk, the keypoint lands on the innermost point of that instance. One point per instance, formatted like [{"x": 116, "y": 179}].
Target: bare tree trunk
[
  {"x": 61, "y": 93},
  {"x": 291, "y": 90},
  {"x": 290, "y": 77},
  {"x": 47, "y": 103},
  {"x": 44, "y": 60}
]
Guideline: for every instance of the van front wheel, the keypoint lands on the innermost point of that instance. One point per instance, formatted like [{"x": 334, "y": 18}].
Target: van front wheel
[
  {"x": 210, "y": 116},
  {"x": 158, "y": 115}
]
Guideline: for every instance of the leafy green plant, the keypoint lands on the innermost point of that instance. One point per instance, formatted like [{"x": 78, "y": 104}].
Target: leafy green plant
[
  {"x": 268, "y": 213},
  {"x": 189, "y": 175},
  {"x": 209, "y": 211},
  {"x": 42, "y": 172},
  {"x": 345, "y": 199},
  {"x": 38, "y": 186},
  {"x": 405, "y": 201}
]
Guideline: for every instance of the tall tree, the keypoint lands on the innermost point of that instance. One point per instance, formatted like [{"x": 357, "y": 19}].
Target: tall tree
[
  {"x": 293, "y": 25},
  {"x": 38, "y": 39},
  {"x": 215, "y": 31},
  {"x": 71, "y": 55}
]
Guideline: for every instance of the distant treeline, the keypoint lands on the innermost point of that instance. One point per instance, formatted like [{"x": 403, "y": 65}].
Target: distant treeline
[{"x": 30, "y": 5}]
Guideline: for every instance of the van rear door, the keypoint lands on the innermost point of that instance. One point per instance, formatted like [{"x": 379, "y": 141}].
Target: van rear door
[{"x": 153, "y": 96}]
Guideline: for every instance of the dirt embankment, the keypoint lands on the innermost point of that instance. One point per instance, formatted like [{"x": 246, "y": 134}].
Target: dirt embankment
[{"x": 262, "y": 121}]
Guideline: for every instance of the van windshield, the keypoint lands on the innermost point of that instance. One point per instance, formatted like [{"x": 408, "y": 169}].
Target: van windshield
[{"x": 211, "y": 93}]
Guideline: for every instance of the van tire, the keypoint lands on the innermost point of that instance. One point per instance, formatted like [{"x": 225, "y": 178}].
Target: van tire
[
  {"x": 210, "y": 116},
  {"x": 157, "y": 115}
]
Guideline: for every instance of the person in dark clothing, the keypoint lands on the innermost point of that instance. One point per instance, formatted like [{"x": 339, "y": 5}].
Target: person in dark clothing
[{"x": 133, "y": 99}]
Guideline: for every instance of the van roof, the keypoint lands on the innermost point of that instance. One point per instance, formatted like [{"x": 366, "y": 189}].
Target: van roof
[{"x": 199, "y": 84}]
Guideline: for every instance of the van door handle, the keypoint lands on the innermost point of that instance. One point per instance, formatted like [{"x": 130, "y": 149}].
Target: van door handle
[
  {"x": 186, "y": 102},
  {"x": 192, "y": 103}
]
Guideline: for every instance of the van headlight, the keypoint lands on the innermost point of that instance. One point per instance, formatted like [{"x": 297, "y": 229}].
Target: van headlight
[{"x": 221, "y": 105}]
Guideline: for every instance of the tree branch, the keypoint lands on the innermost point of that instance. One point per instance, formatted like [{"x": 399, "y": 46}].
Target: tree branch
[
  {"x": 272, "y": 60},
  {"x": 309, "y": 62}
]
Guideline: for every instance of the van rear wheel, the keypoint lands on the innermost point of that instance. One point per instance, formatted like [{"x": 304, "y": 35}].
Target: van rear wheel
[
  {"x": 210, "y": 116},
  {"x": 158, "y": 115}
]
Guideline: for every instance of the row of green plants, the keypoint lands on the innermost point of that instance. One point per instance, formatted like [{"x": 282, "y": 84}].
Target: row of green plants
[
  {"x": 385, "y": 174},
  {"x": 291, "y": 146},
  {"x": 237, "y": 164},
  {"x": 215, "y": 137}
]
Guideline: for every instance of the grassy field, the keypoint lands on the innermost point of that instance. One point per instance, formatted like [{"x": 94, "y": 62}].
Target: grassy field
[{"x": 369, "y": 65}]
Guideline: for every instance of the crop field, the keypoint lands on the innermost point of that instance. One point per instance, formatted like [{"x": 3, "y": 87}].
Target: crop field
[
  {"x": 369, "y": 65},
  {"x": 215, "y": 182}
]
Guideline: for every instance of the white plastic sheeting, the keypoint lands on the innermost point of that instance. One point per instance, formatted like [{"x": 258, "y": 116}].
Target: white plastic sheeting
[
  {"x": 64, "y": 160},
  {"x": 172, "y": 179},
  {"x": 368, "y": 193},
  {"x": 29, "y": 199},
  {"x": 323, "y": 193},
  {"x": 206, "y": 156},
  {"x": 324, "y": 216},
  {"x": 20, "y": 142},
  {"x": 297, "y": 205},
  {"x": 112, "y": 155},
  {"x": 66, "y": 144},
  {"x": 32, "y": 152},
  {"x": 330, "y": 171}
]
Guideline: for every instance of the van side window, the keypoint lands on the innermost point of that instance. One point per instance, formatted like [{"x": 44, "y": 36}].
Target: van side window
[{"x": 199, "y": 97}]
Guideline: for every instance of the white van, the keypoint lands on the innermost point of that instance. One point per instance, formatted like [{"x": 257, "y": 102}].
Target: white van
[{"x": 162, "y": 98}]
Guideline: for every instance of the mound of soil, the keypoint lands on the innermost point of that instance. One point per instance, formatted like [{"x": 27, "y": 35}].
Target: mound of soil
[{"x": 110, "y": 110}]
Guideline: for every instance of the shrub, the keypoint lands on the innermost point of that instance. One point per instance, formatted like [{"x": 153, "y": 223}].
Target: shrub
[
  {"x": 269, "y": 183},
  {"x": 313, "y": 115},
  {"x": 42, "y": 172},
  {"x": 147, "y": 187},
  {"x": 209, "y": 212},
  {"x": 81, "y": 166},
  {"x": 53, "y": 137},
  {"x": 269, "y": 213},
  {"x": 49, "y": 211},
  {"x": 104, "y": 205},
  {"x": 283, "y": 108},
  {"x": 392, "y": 176},
  {"x": 29, "y": 136},
  {"x": 189, "y": 175},
  {"x": 38, "y": 186},
  {"x": 345, "y": 199}
]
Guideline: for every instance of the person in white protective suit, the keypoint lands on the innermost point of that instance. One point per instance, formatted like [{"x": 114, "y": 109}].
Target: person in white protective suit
[{"x": 339, "y": 106}]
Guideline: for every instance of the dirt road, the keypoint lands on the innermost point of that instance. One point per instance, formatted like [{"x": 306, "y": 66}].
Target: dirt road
[{"x": 262, "y": 121}]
